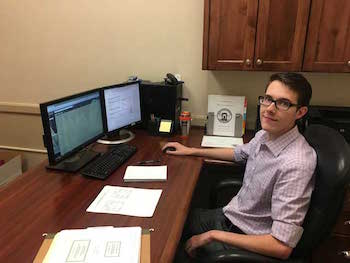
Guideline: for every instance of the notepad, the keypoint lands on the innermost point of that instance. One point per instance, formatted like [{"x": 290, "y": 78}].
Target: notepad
[
  {"x": 165, "y": 125},
  {"x": 126, "y": 201},
  {"x": 145, "y": 173},
  {"x": 96, "y": 244},
  {"x": 221, "y": 141}
]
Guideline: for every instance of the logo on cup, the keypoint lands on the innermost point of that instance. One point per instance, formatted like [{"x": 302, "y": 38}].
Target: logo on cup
[{"x": 224, "y": 115}]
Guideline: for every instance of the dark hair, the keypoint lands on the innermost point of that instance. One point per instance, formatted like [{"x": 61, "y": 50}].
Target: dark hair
[{"x": 296, "y": 82}]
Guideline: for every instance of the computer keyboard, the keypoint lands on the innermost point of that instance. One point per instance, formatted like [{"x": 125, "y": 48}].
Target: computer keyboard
[{"x": 108, "y": 162}]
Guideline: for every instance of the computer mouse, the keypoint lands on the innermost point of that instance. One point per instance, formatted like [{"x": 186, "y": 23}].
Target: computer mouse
[{"x": 169, "y": 148}]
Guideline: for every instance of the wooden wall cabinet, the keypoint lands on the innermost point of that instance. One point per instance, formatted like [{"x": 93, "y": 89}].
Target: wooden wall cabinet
[
  {"x": 272, "y": 35},
  {"x": 254, "y": 35},
  {"x": 328, "y": 42}
]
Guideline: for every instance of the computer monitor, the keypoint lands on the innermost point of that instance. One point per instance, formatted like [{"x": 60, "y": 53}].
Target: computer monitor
[
  {"x": 122, "y": 109},
  {"x": 70, "y": 124}
]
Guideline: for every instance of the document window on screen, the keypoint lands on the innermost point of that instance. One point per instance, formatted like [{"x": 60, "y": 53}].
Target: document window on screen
[{"x": 122, "y": 106}]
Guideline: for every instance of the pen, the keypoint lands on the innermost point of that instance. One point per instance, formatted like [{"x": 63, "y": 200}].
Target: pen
[{"x": 148, "y": 162}]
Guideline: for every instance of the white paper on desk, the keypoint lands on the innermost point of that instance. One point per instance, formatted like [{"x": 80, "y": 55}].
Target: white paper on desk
[
  {"x": 221, "y": 141},
  {"x": 126, "y": 201},
  {"x": 145, "y": 173},
  {"x": 96, "y": 244}
]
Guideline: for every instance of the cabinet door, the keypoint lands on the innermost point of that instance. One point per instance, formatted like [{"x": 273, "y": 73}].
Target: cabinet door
[
  {"x": 328, "y": 40},
  {"x": 229, "y": 34},
  {"x": 281, "y": 33}
]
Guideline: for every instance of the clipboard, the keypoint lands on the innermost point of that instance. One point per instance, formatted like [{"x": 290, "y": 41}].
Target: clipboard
[{"x": 145, "y": 254}]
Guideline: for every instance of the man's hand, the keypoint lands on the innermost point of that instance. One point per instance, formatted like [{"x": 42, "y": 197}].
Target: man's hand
[
  {"x": 197, "y": 241},
  {"x": 262, "y": 244},
  {"x": 179, "y": 149}
]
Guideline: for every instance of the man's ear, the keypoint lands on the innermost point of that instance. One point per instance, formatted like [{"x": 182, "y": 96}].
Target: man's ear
[{"x": 301, "y": 112}]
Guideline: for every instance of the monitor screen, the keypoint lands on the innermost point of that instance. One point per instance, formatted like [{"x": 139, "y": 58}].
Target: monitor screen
[
  {"x": 122, "y": 106},
  {"x": 71, "y": 123}
]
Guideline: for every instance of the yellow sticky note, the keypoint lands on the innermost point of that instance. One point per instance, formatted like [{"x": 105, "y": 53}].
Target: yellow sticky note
[{"x": 165, "y": 126}]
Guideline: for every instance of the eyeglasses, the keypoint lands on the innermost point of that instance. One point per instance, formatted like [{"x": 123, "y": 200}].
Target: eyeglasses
[{"x": 280, "y": 104}]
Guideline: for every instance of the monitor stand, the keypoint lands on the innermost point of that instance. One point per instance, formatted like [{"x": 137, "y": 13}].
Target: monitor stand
[
  {"x": 122, "y": 137},
  {"x": 75, "y": 162}
]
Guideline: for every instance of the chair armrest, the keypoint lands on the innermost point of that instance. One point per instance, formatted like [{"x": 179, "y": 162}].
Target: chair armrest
[
  {"x": 223, "y": 185},
  {"x": 222, "y": 193},
  {"x": 235, "y": 255}
]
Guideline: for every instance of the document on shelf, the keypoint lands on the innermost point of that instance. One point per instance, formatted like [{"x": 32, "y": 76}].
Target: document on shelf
[
  {"x": 126, "y": 201},
  {"x": 96, "y": 244},
  {"x": 229, "y": 114},
  {"x": 145, "y": 173},
  {"x": 221, "y": 141}
]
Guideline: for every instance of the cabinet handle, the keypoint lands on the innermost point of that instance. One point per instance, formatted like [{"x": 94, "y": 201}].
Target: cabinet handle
[
  {"x": 248, "y": 62},
  {"x": 259, "y": 61},
  {"x": 347, "y": 222},
  {"x": 345, "y": 254}
]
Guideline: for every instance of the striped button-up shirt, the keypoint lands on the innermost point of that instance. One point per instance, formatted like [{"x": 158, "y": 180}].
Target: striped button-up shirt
[{"x": 277, "y": 186}]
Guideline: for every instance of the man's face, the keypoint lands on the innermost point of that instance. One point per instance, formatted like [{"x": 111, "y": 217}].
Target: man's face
[{"x": 276, "y": 121}]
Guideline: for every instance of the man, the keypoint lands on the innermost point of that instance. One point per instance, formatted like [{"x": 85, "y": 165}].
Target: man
[{"x": 266, "y": 215}]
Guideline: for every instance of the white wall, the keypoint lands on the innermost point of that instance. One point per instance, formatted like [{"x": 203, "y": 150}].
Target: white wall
[{"x": 50, "y": 49}]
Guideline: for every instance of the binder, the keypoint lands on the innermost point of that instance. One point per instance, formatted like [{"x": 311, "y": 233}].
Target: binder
[{"x": 145, "y": 255}]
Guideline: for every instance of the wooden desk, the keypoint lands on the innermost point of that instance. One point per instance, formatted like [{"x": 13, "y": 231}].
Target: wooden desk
[{"x": 42, "y": 201}]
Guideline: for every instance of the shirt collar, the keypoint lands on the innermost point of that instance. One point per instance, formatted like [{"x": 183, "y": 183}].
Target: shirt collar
[{"x": 278, "y": 144}]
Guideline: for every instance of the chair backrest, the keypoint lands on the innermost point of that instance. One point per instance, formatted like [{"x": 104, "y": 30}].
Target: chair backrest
[{"x": 332, "y": 176}]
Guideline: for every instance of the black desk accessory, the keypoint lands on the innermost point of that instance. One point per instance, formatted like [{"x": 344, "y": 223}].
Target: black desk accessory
[
  {"x": 157, "y": 126},
  {"x": 169, "y": 148},
  {"x": 162, "y": 100},
  {"x": 108, "y": 162}
]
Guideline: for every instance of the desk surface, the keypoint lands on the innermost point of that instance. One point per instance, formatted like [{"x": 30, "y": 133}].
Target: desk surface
[{"x": 42, "y": 201}]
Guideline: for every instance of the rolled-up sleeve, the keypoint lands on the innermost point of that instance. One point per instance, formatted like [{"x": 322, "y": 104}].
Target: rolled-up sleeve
[
  {"x": 290, "y": 200},
  {"x": 242, "y": 152}
]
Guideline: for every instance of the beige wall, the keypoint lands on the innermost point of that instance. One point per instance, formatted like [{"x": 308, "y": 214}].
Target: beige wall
[{"x": 50, "y": 49}]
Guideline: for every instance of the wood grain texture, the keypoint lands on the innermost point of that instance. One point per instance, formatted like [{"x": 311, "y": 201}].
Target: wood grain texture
[
  {"x": 239, "y": 33},
  {"x": 43, "y": 201},
  {"x": 205, "y": 34},
  {"x": 328, "y": 40},
  {"x": 231, "y": 34},
  {"x": 281, "y": 33}
]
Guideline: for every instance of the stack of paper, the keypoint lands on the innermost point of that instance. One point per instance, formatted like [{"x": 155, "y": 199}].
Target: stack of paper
[
  {"x": 145, "y": 173},
  {"x": 126, "y": 201},
  {"x": 96, "y": 244},
  {"x": 221, "y": 141}
]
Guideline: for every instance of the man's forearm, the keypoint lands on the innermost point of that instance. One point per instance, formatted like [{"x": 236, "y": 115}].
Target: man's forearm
[
  {"x": 226, "y": 154},
  {"x": 262, "y": 244}
]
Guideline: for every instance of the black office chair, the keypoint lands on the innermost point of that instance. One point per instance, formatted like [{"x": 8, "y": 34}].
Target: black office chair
[{"x": 332, "y": 176}]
